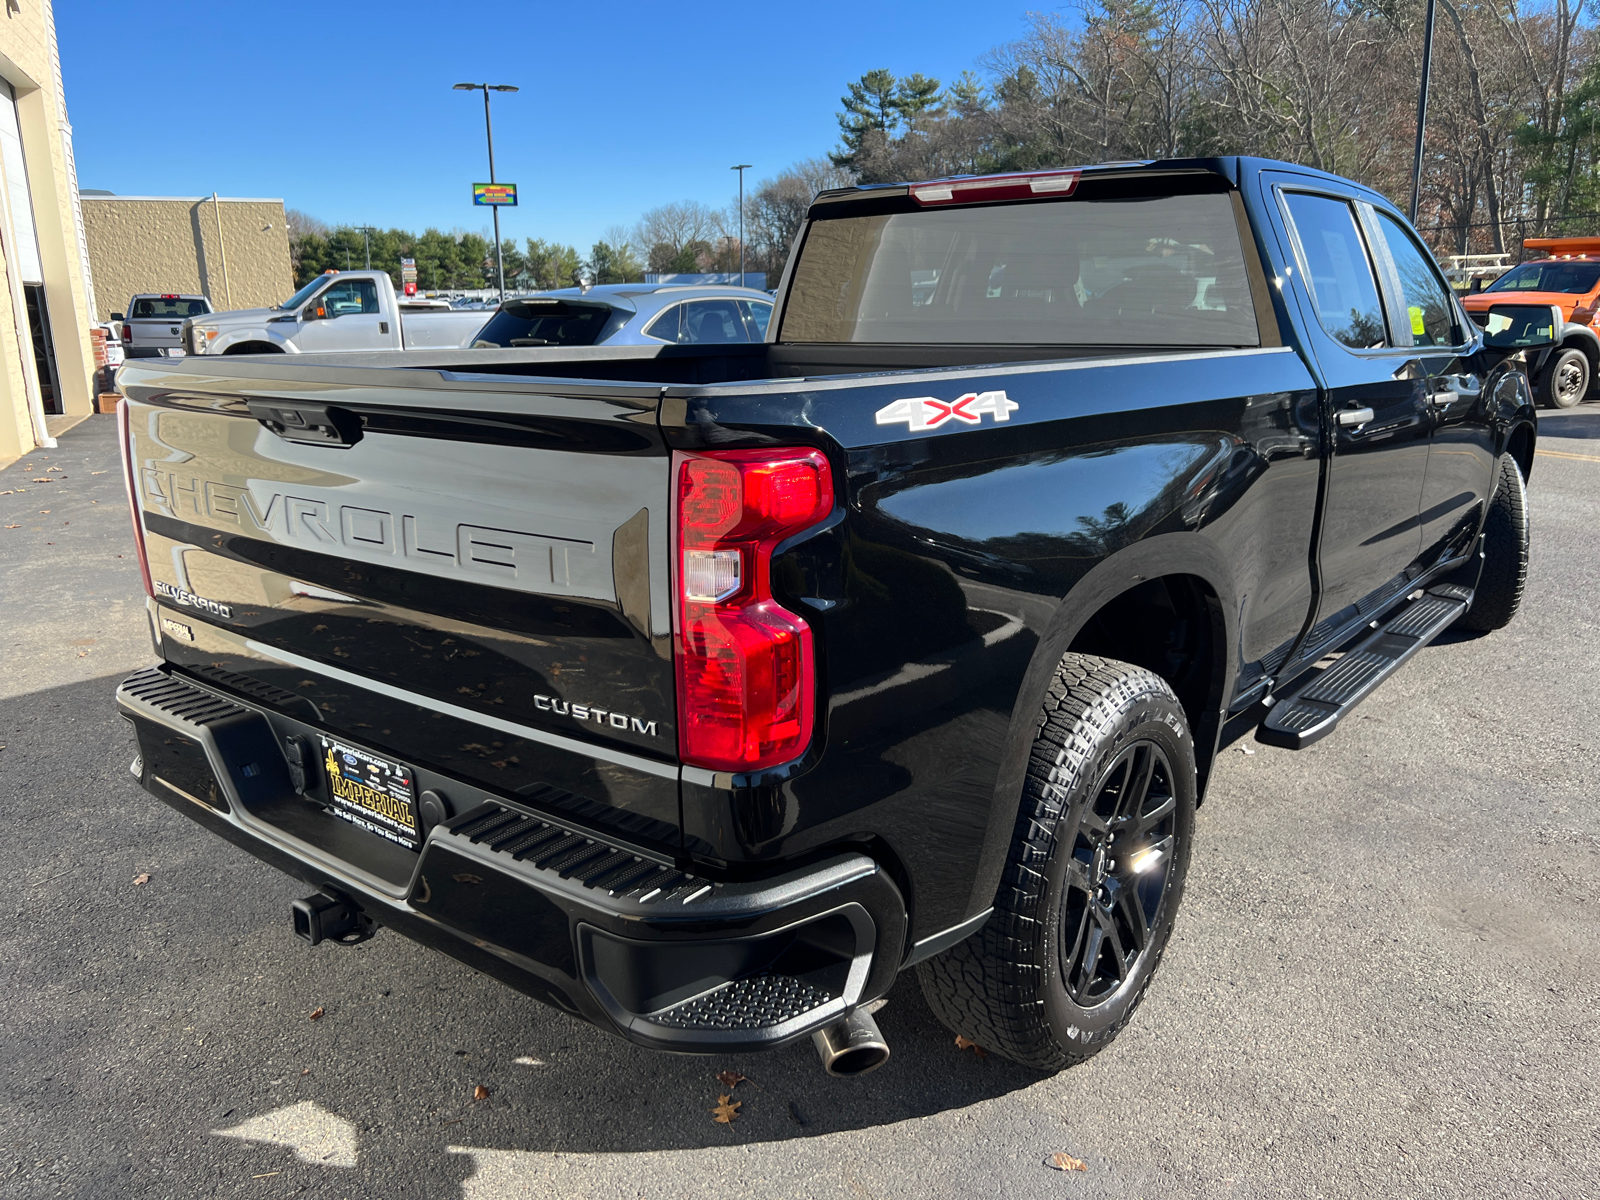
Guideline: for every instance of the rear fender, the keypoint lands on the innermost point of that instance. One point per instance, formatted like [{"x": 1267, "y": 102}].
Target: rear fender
[{"x": 1161, "y": 555}]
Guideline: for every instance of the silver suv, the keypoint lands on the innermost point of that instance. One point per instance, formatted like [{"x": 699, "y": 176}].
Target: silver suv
[{"x": 630, "y": 314}]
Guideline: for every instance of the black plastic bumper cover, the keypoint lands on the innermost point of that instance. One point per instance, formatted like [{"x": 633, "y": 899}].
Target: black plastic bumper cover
[{"x": 613, "y": 933}]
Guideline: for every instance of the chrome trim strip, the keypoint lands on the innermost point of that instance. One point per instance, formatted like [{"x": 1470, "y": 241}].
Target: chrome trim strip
[{"x": 633, "y": 762}]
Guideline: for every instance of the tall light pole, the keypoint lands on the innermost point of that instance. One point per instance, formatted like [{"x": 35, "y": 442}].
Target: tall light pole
[
  {"x": 488, "y": 128},
  {"x": 741, "y": 168},
  {"x": 366, "y": 231},
  {"x": 1422, "y": 110}
]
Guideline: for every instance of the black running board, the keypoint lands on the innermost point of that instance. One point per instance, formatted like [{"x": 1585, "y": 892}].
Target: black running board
[{"x": 1315, "y": 710}]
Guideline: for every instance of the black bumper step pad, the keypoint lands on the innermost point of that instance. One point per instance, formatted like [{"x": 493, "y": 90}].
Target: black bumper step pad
[
  {"x": 179, "y": 699},
  {"x": 583, "y": 859},
  {"x": 1316, "y": 708}
]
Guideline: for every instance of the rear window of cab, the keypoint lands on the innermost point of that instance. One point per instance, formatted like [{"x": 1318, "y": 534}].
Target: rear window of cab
[{"x": 1101, "y": 267}]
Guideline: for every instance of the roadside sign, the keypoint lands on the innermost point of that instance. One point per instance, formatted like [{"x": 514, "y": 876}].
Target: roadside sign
[
  {"x": 411, "y": 287},
  {"x": 408, "y": 271},
  {"x": 494, "y": 193}
]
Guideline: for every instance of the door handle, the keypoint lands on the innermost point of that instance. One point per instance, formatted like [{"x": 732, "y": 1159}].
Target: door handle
[{"x": 1356, "y": 416}]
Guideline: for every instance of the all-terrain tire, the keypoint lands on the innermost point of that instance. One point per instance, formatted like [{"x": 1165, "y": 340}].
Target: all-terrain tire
[
  {"x": 1505, "y": 552},
  {"x": 1024, "y": 986},
  {"x": 1564, "y": 383}
]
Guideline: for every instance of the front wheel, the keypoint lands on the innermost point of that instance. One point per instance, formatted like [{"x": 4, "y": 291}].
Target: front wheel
[
  {"x": 1565, "y": 381},
  {"x": 1094, "y": 877},
  {"x": 1505, "y": 552}
]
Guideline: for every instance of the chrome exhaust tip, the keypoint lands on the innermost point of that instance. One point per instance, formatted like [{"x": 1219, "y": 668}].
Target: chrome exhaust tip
[{"x": 853, "y": 1046}]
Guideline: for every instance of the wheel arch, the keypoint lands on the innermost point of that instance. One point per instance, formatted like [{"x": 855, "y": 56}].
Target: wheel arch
[
  {"x": 1199, "y": 585},
  {"x": 1520, "y": 443},
  {"x": 1581, "y": 337},
  {"x": 254, "y": 347}
]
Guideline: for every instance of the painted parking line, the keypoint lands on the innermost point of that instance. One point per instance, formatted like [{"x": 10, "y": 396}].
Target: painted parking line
[{"x": 1564, "y": 454}]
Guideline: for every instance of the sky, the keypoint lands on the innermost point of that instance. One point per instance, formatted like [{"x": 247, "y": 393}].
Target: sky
[{"x": 345, "y": 109}]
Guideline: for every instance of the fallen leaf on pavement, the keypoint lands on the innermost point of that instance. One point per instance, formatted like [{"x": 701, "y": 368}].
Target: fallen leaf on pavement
[
  {"x": 316, "y": 1013},
  {"x": 97, "y": 472},
  {"x": 727, "y": 1110},
  {"x": 43, "y": 511},
  {"x": 41, "y": 481},
  {"x": 13, "y": 526},
  {"x": 480, "y": 1092},
  {"x": 729, "y": 1079},
  {"x": 1065, "y": 1162},
  {"x": 140, "y": 880},
  {"x": 966, "y": 1043}
]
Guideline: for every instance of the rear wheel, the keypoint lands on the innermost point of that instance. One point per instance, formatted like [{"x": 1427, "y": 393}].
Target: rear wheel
[
  {"x": 1505, "y": 552},
  {"x": 1565, "y": 381},
  {"x": 1094, "y": 877}
]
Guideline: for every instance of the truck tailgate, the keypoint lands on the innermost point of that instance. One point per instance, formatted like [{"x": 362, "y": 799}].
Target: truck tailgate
[{"x": 466, "y": 573}]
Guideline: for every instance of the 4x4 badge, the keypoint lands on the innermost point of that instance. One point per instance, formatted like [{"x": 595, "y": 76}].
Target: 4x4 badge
[{"x": 924, "y": 412}]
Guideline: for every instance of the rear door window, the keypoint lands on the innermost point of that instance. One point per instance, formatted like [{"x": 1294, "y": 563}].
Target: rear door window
[
  {"x": 712, "y": 322},
  {"x": 1338, "y": 270},
  {"x": 666, "y": 326},
  {"x": 1101, "y": 268},
  {"x": 757, "y": 315},
  {"x": 1428, "y": 308}
]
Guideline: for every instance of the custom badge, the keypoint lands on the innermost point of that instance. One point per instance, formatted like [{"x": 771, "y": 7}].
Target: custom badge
[{"x": 925, "y": 412}]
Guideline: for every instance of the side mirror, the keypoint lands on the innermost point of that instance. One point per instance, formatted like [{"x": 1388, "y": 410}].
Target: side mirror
[
  {"x": 314, "y": 312},
  {"x": 118, "y": 317},
  {"x": 1522, "y": 326}
]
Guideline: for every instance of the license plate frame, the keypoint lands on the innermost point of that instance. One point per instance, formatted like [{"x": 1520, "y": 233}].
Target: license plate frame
[{"x": 371, "y": 792}]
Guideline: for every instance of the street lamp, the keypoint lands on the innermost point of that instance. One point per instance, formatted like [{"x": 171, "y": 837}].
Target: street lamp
[
  {"x": 741, "y": 168},
  {"x": 486, "y": 88},
  {"x": 366, "y": 231}
]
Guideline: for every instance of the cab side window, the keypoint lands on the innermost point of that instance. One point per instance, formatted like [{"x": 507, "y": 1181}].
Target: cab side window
[
  {"x": 350, "y": 297},
  {"x": 1428, "y": 309},
  {"x": 1339, "y": 272}
]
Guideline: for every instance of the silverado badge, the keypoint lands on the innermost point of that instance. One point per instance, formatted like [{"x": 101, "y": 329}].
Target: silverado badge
[{"x": 924, "y": 412}]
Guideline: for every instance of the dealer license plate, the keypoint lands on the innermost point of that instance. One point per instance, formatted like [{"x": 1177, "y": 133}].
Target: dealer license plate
[{"x": 377, "y": 794}]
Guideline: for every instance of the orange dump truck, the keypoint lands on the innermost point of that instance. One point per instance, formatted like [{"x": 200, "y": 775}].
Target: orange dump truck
[{"x": 1567, "y": 276}]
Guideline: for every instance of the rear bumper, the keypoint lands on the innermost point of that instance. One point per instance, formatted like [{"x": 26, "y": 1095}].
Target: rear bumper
[{"x": 609, "y": 932}]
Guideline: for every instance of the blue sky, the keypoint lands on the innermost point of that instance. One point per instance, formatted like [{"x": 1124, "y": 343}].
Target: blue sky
[{"x": 345, "y": 110}]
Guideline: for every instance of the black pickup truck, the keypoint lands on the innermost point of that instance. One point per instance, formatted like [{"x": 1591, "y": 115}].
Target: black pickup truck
[{"x": 699, "y": 691}]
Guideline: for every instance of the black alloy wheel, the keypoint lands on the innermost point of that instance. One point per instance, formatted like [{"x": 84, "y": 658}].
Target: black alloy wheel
[
  {"x": 1093, "y": 878},
  {"x": 1565, "y": 382},
  {"x": 1117, "y": 879}
]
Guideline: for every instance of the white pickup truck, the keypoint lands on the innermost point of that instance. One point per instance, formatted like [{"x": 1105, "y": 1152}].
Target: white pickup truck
[{"x": 341, "y": 310}]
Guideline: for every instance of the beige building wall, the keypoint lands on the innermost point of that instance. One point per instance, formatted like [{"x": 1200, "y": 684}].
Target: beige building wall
[
  {"x": 233, "y": 252},
  {"x": 30, "y": 64}
]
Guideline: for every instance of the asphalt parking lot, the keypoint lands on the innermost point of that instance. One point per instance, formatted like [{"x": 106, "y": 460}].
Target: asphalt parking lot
[{"x": 1385, "y": 981}]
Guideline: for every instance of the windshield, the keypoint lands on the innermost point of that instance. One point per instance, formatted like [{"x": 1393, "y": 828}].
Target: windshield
[
  {"x": 543, "y": 323},
  {"x": 1118, "y": 270},
  {"x": 1572, "y": 277},
  {"x": 304, "y": 294},
  {"x": 171, "y": 308}
]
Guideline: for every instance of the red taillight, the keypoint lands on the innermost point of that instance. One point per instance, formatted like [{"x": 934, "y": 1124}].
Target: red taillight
[
  {"x": 126, "y": 441},
  {"x": 746, "y": 674},
  {"x": 127, "y": 334}
]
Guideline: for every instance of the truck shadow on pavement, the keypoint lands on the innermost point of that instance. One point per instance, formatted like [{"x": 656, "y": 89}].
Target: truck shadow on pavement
[{"x": 161, "y": 996}]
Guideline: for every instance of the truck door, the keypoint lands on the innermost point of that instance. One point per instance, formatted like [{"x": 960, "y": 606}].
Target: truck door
[
  {"x": 345, "y": 316},
  {"x": 1376, "y": 408},
  {"x": 1461, "y": 456}
]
